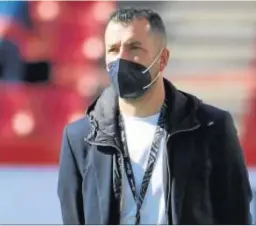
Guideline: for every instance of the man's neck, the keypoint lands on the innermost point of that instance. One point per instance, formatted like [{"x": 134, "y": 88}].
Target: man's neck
[{"x": 147, "y": 105}]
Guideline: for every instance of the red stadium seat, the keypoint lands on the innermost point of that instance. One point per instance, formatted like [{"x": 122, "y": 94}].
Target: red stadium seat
[{"x": 32, "y": 119}]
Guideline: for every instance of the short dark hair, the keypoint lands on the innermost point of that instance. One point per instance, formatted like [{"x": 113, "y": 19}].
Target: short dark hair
[{"x": 127, "y": 15}]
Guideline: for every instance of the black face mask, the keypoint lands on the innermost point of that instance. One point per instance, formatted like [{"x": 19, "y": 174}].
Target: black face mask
[{"x": 130, "y": 79}]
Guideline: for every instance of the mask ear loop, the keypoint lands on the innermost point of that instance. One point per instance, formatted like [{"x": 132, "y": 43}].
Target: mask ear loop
[
  {"x": 143, "y": 72},
  {"x": 157, "y": 76},
  {"x": 151, "y": 83}
]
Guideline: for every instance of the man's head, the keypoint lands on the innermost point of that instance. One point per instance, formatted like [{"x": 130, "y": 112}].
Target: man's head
[
  {"x": 137, "y": 35},
  {"x": 136, "y": 55}
]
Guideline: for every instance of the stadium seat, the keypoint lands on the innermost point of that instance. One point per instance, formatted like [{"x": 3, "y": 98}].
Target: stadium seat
[{"x": 32, "y": 118}]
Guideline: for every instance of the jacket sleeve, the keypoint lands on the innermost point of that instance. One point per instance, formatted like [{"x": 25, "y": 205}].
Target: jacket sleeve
[
  {"x": 70, "y": 185},
  {"x": 231, "y": 192}
]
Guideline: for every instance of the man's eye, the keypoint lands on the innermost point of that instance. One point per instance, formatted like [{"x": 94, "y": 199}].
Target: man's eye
[
  {"x": 135, "y": 47},
  {"x": 112, "y": 50}
]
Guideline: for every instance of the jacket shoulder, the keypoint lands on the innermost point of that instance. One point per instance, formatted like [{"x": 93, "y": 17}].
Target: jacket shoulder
[
  {"x": 209, "y": 113},
  {"x": 79, "y": 128}
]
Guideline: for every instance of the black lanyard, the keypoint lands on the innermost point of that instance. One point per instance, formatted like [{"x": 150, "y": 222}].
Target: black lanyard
[{"x": 150, "y": 165}]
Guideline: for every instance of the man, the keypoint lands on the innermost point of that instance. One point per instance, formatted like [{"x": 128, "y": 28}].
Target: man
[{"x": 146, "y": 153}]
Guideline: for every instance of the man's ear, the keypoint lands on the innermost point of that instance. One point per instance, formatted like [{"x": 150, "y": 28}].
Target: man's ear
[{"x": 164, "y": 59}]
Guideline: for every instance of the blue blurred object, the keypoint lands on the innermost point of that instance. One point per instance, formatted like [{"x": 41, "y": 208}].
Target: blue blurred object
[
  {"x": 16, "y": 10},
  {"x": 12, "y": 66}
]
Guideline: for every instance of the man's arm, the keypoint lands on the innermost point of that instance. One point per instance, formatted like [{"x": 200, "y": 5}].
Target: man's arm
[
  {"x": 70, "y": 185},
  {"x": 231, "y": 192}
]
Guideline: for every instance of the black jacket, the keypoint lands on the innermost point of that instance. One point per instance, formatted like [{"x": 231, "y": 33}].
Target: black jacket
[{"x": 209, "y": 180}]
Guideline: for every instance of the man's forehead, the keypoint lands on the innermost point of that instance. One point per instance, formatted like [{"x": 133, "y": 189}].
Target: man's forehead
[{"x": 136, "y": 30}]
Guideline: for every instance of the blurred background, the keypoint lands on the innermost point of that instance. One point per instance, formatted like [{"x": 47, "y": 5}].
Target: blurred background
[{"x": 52, "y": 68}]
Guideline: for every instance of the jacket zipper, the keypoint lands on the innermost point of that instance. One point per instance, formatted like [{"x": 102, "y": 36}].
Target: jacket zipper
[{"x": 168, "y": 165}]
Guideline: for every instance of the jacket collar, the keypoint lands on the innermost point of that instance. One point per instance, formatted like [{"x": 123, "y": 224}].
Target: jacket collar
[{"x": 103, "y": 113}]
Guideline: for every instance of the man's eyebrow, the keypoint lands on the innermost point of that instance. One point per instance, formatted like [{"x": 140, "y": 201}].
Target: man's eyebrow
[
  {"x": 129, "y": 43},
  {"x": 114, "y": 45},
  {"x": 133, "y": 43}
]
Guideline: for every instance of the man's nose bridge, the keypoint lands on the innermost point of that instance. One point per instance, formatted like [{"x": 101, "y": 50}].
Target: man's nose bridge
[{"x": 124, "y": 54}]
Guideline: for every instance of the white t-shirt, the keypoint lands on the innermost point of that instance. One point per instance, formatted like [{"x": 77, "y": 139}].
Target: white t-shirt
[{"x": 140, "y": 134}]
